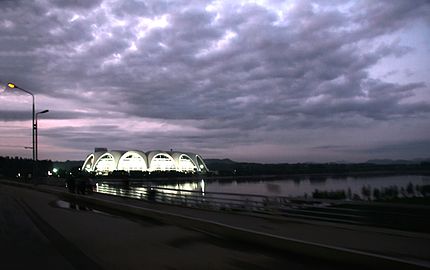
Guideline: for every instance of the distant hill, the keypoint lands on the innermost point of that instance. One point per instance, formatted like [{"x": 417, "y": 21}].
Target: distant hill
[
  {"x": 398, "y": 161},
  {"x": 228, "y": 167}
]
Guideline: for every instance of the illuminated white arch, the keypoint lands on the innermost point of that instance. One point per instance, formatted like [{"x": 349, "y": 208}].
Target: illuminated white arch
[
  {"x": 161, "y": 161},
  {"x": 88, "y": 164},
  {"x": 186, "y": 163},
  {"x": 201, "y": 165},
  {"x": 132, "y": 161},
  {"x": 105, "y": 163}
]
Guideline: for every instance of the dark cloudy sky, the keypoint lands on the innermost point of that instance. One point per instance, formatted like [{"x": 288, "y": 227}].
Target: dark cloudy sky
[{"x": 266, "y": 81}]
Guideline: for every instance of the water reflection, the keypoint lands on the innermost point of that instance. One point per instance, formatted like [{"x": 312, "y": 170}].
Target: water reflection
[
  {"x": 318, "y": 187},
  {"x": 317, "y": 179},
  {"x": 302, "y": 186},
  {"x": 273, "y": 188},
  {"x": 202, "y": 185}
]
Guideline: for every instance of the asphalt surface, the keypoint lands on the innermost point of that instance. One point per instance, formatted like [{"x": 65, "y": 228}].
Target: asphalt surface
[{"x": 42, "y": 231}]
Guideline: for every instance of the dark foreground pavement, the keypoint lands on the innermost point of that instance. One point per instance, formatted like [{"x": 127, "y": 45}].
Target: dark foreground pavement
[{"x": 41, "y": 231}]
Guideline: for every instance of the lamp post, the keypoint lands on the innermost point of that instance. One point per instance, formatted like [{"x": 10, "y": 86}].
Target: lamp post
[
  {"x": 36, "y": 144},
  {"x": 14, "y": 86}
]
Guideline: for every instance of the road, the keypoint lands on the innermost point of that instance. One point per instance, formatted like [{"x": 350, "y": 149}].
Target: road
[{"x": 40, "y": 231}]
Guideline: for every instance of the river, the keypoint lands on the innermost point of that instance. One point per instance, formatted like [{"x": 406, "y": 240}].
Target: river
[{"x": 306, "y": 185}]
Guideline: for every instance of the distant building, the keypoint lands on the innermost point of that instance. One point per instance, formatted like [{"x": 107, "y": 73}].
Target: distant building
[{"x": 103, "y": 162}]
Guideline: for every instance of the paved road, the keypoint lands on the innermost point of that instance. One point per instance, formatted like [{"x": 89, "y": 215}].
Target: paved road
[{"x": 40, "y": 231}]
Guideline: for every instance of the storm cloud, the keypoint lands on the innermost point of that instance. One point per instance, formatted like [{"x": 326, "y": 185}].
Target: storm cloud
[{"x": 225, "y": 79}]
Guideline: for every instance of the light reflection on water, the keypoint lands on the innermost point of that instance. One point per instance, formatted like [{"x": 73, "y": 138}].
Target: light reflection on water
[
  {"x": 303, "y": 187},
  {"x": 299, "y": 187},
  {"x": 139, "y": 191}
]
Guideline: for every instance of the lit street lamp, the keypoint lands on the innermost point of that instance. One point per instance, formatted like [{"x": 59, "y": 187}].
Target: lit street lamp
[{"x": 14, "y": 86}]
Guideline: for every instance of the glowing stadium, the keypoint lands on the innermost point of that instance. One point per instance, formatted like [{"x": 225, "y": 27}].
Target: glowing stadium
[{"x": 103, "y": 162}]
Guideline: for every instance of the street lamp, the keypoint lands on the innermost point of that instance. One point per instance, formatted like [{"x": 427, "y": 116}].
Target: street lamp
[
  {"x": 37, "y": 146},
  {"x": 37, "y": 114},
  {"x": 14, "y": 86}
]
